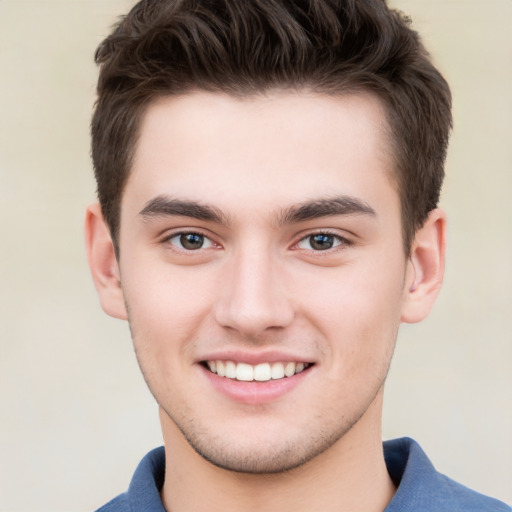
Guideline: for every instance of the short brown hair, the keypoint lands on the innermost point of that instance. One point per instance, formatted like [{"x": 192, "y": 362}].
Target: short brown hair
[{"x": 169, "y": 47}]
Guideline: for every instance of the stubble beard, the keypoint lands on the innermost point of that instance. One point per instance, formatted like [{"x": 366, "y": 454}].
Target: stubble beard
[
  {"x": 265, "y": 461},
  {"x": 269, "y": 459}
]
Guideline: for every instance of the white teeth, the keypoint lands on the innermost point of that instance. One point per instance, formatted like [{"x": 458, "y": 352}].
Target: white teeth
[
  {"x": 244, "y": 372},
  {"x": 289, "y": 369},
  {"x": 221, "y": 369},
  {"x": 261, "y": 372},
  {"x": 277, "y": 371},
  {"x": 230, "y": 370}
]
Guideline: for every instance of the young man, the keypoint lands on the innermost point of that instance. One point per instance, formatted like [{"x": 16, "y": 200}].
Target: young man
[{"x": 268, "y": 176}]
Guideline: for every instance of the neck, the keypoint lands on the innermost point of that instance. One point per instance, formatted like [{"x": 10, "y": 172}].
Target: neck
[{"x": 350, "y": 476}]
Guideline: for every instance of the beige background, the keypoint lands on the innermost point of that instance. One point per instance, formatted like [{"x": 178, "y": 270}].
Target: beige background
[{"x": 75, "y": 417}]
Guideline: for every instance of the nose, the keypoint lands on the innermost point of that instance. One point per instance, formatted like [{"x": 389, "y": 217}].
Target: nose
[{"x": 253, "y": 299}]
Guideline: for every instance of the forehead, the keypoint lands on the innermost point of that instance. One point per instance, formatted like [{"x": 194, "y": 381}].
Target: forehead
[{"x": 261, "y": 151}]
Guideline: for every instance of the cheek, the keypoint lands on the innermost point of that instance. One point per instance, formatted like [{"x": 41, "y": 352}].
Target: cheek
[
  {"x": 166, "y": 310},
  {"x": 161, "y": 293},
  {"x": 164, "y": 317},
  {"x": 357, "y": 308}
]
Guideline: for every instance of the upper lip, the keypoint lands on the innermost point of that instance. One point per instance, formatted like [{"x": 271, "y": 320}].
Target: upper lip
[{"x": 254, "y": 358}]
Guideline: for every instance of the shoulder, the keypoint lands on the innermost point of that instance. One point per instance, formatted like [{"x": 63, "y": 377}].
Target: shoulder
[
  {"x": 118, "y": 504},
  {"x": 421, "y": 488},
  {"x": 144, "y": 490}
]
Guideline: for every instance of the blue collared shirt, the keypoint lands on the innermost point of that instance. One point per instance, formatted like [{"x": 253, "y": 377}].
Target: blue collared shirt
[{"x": 420, "y": 488}]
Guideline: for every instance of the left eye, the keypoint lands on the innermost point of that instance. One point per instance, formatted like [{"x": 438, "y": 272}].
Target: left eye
[
  {"x": 320, "y": 242},
  {"x": 190, "y": 241}
]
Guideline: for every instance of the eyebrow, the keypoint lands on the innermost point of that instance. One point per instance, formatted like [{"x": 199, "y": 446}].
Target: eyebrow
[
  {"x": 164, "y": 206},
  {"x": 315, "y": 209}
]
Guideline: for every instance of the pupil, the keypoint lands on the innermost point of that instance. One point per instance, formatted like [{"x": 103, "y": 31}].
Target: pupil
[
  {"x": 322, "y": 242},
  {"x": 192, "y": 241}
]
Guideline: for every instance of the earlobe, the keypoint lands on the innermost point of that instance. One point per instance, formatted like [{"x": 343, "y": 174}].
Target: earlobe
[
  {"x": 103, "y": 263},
  {"x": 425, "y": 270}
]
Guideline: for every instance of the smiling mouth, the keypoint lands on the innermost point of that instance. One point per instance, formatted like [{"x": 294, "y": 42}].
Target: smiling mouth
[{"x": 260, "y": 372}]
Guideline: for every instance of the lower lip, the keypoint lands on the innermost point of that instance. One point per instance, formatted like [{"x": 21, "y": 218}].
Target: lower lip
[{"x": 255, "y": 392}]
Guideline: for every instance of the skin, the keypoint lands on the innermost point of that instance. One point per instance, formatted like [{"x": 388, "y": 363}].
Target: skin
[{"x": 255, "y": 179}]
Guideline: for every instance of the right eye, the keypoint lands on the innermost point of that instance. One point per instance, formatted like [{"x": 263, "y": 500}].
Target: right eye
[{"x": 190, "y": 241}]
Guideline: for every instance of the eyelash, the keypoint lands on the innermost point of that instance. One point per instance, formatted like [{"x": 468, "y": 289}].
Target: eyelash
[
  {"x": 339, "y": 241},
  {"x": 342, "y": 242},
  {"x": 179, "y": 234}
]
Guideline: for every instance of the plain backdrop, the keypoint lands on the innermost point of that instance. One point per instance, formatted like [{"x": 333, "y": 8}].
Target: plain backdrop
[{"x": 75, "y": 415}]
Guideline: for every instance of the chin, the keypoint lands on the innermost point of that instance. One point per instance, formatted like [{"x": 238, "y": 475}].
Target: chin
[
  {"x": 263, "y": 452},
  {"x": 249, "y": 462}
]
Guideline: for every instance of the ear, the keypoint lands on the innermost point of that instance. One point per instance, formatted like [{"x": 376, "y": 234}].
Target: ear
[
  {"x": 103, "y": 263},
  {"x": 425, "y": 268}
]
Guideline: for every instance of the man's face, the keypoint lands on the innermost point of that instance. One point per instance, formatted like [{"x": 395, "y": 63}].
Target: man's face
[{"x": 262, "y": 237}]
